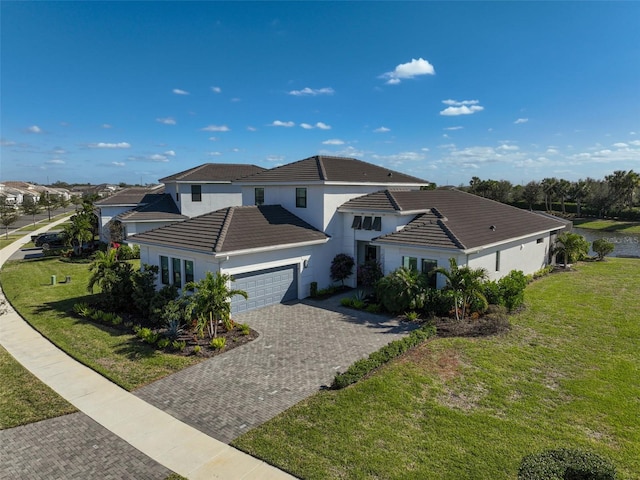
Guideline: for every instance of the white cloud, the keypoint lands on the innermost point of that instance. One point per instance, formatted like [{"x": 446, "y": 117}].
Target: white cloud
[
  {"x": 278, "y": 123},
  {"x": 252, "y": 129},
  {"x": 157, "y": 157},
  {"x": 7, "y": 143},
  {"x": 118, "y": 164},
  {"x": 216, "y": 128},
  {"x": 213, "y": 139},
  {"x": 346, "y": 152},
  {"x": 319, "y": 125},
  {"x": 177, "y": 91},
  {"x": 333, "y": 141},
  {"x": 34, "y": 129},
  {"x": 620, "y": 145},
  {"x": 216, "y": 89},
  {"x": 110, "y": 145},
  {"x": 382, "y": 130},
  {"x": 55, "y": 161},
  {"x": 170, "y": 153},
  {"x": 408, "y": 70},
  {"x": 166, "y": 120},
  {"x": 464, "y": 107},
  {"x": 401, "y": 157},
  {"x": 312, "y": 92},
  {"x": 107, "y": 125},
  {"x": 508, "y": 148},
  {"x": 454, "y": 128},
  {"x": 521, "y": 120},
  {"x": 214, "y": 154},
  {"x": 275, "y": 158},
  {"x": 59, "y": 151},
  {"x": 635, "y": 143}
]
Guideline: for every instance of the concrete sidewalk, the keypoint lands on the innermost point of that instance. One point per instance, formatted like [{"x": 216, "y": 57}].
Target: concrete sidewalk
[{"x": 173, "y": 444}]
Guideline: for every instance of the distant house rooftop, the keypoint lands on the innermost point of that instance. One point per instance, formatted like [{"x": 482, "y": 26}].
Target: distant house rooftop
[{"x": 130, "y": 196}]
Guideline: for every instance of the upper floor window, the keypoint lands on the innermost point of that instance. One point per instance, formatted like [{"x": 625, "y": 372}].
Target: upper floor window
[
  {"x": 259, "y": 195},
  {"x": 196, "y": 193},
  {"x": 301, "y": 197}
]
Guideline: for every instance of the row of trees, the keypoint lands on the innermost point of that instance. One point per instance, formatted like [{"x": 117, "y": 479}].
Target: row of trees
[{"x": 612, "y": 196}]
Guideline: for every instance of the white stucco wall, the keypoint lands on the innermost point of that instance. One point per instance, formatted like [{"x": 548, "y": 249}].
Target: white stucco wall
[
  {"x": 214, "y": 197},
  {"x": 107, "y": 212},
  {"x": 139, "y": 227}
]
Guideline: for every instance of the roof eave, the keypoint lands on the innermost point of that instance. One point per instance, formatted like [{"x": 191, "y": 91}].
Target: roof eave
[
  {"x": 283, "y": 246},
  {"x": 479, "y": 248}
]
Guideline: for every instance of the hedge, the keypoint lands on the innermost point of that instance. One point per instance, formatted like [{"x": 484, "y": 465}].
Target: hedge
[
  {"x": 363, "y": 367},
  {"x": 565, "y": 464}
]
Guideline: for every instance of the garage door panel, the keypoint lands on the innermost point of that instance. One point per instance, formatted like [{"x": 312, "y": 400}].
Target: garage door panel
[{"x": 265, "y": 287}]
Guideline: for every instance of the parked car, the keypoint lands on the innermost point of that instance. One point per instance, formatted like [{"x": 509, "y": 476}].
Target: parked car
[{"x": 50, "y": 240}]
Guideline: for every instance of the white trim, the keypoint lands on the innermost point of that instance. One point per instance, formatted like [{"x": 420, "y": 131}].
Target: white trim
[{"x": 283, "y": 246}]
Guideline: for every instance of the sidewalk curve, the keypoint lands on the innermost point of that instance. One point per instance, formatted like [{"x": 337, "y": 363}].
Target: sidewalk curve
[{"x": 170, "y": 442}]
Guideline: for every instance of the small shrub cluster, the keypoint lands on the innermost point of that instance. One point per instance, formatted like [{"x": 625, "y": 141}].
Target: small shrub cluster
[
  {"x": 508, "y": 291},
  {"x": 328, "y": 291},
  {"x": 363, "y": 367},
  {"x": 341, "y": 267},
  {"x": 218, "y": 343},
  {"x": 85, "y": 311},
  {"x": 541, "y": 273},
  {"x": 565, "y": 464},
  {"x": 125, "y": 252}
]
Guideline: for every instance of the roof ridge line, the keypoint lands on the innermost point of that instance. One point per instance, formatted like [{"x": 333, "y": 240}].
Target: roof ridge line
[
  {"x": 393, "y": 200},
  {"x": 321, "y": 169},
  {"x": 223, "y": 231},
  {"x": 450, "y": 234},
  {"x": 190, "y": 171}
]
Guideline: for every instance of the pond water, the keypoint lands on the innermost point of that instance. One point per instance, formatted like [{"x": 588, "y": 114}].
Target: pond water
[{"x": 625, "y": 244}]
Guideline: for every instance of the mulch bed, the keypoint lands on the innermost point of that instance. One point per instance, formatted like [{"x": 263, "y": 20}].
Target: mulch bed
[{"x": 235, "y": 338}]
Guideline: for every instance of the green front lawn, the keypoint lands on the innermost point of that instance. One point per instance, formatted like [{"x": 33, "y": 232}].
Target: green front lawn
[
  {"x": 608, "y": 225},
  {"x": 119, "y": 356},
  {"x": 471, "y": 408},
  {"x": 25, "y": 399}
]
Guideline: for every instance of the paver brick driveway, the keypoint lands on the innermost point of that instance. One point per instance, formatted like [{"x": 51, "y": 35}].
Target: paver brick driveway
[{"x": 300, "y": 348}]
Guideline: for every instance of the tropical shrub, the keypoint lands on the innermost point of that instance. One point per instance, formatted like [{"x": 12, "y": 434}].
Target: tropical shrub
[
  {"x": 164, "y": 343},
  {"x": 403, "y": 289},
  {"x": 244, "y": 329},
  {"x": 341, "y": 267},
  {"x": 512, "y": 289},
  {"x": 369, "y": 273},
  {"x": 572, "y": 247},
  {"x": 179, "y": 345},
  {"x": 374, "y": 308},
  {"x": 412, "y": 316},
  {"x": 602, "y": 248},
  {"x": 565, "y": 464},
  {"x": 159, "y": 302},
  {"x": 439, "y": 303},
  {"x": 218, "y": 343},
  {"x": 466, "y": 284}
]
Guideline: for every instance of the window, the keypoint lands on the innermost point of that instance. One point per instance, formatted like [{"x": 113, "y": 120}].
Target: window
[
  {"x": 196, "y": 193},
  {"x": 540, "y": 240},
  {"x": 367, "y": 223},
  {"x": 177, "y": 197},
  {"x": 498, "y": 261},
  {"x": 188, "y": 271},
  {"x": 177, "y": 278},
  {"x": 259, "y": 195},
  {"x": 357, "y": 222},
  {"x": 429, "y": 266},
  {"x": 410, "y": 262},
  {"x": 164, "y": 270},
  {"x": 377, "y": 224},
  {"x": 301, "y": 197}
]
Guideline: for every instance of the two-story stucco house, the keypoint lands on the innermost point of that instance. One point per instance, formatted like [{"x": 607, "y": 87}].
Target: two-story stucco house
[{"x": 295, "y": 218}]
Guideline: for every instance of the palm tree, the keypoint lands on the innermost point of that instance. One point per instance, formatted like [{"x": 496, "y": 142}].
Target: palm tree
[
  {"x": 211, "y": 299},
  {"x": 79, "y": 230},
  {"x": 572, "y": 246},
  {"x": 104, "y": 271},
  {"x": 466, "y": 285},
  {"x": 549, "y": 189}
]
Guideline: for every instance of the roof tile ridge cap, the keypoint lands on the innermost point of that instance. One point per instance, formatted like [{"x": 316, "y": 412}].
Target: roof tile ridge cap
[
  {"x": 223, "y": 231},
  {"x": 392, "y": 199},
  {"x": 450, "y": 233},
  {"x": 321, "y": 170}
]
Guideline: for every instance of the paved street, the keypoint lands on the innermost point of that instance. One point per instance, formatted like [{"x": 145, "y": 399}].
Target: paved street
[{"x": 300, "y": 348}]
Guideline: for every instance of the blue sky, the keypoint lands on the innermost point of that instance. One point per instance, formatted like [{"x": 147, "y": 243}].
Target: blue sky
[{"x": 118, "y": 91}]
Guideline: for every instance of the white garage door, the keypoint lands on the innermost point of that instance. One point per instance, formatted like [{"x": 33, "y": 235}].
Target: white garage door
[{"x": 265, "y": 287}]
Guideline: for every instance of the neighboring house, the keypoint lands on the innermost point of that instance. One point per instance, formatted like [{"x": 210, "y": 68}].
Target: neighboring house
[
  {"x": 129, "y": 200},
  {"x": 297, "y": 217},
  {"x": 424, "y": 229},
  {"x": 207, "y": 187}
]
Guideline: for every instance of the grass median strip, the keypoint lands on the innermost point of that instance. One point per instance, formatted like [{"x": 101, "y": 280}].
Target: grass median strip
[{"x": 565, "y": 376}]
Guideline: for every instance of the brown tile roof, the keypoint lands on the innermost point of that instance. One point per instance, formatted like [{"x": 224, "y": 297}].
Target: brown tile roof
[
  {"x": 332, "y": 169},
  {"x": 214, "y": 172},
  {"x": 155, "y": 207},
  {"x": 130, "y": 196},
  {"x": 234, "y": 228},
  {"x": 465, "y": 222}
]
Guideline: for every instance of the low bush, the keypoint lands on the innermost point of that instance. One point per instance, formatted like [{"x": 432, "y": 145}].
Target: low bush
[
  {"x": 313, "y": 289},
  {"x": 218, "y": 343},
  {"x": 412, "y": 316},
  {"x": 363, "y": 367},
  {"x": 403, "y": 289},
  {"x": 244, "y": 329},
  {"x": 374, "y": 308},
  {"x": 179, "y": 345},
  {"x": 164, "y": 343},
  {"x": 565, "y": 464}
]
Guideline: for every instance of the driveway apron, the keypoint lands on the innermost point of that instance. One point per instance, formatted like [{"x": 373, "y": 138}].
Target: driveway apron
[{"x": 301, "y": 347}]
